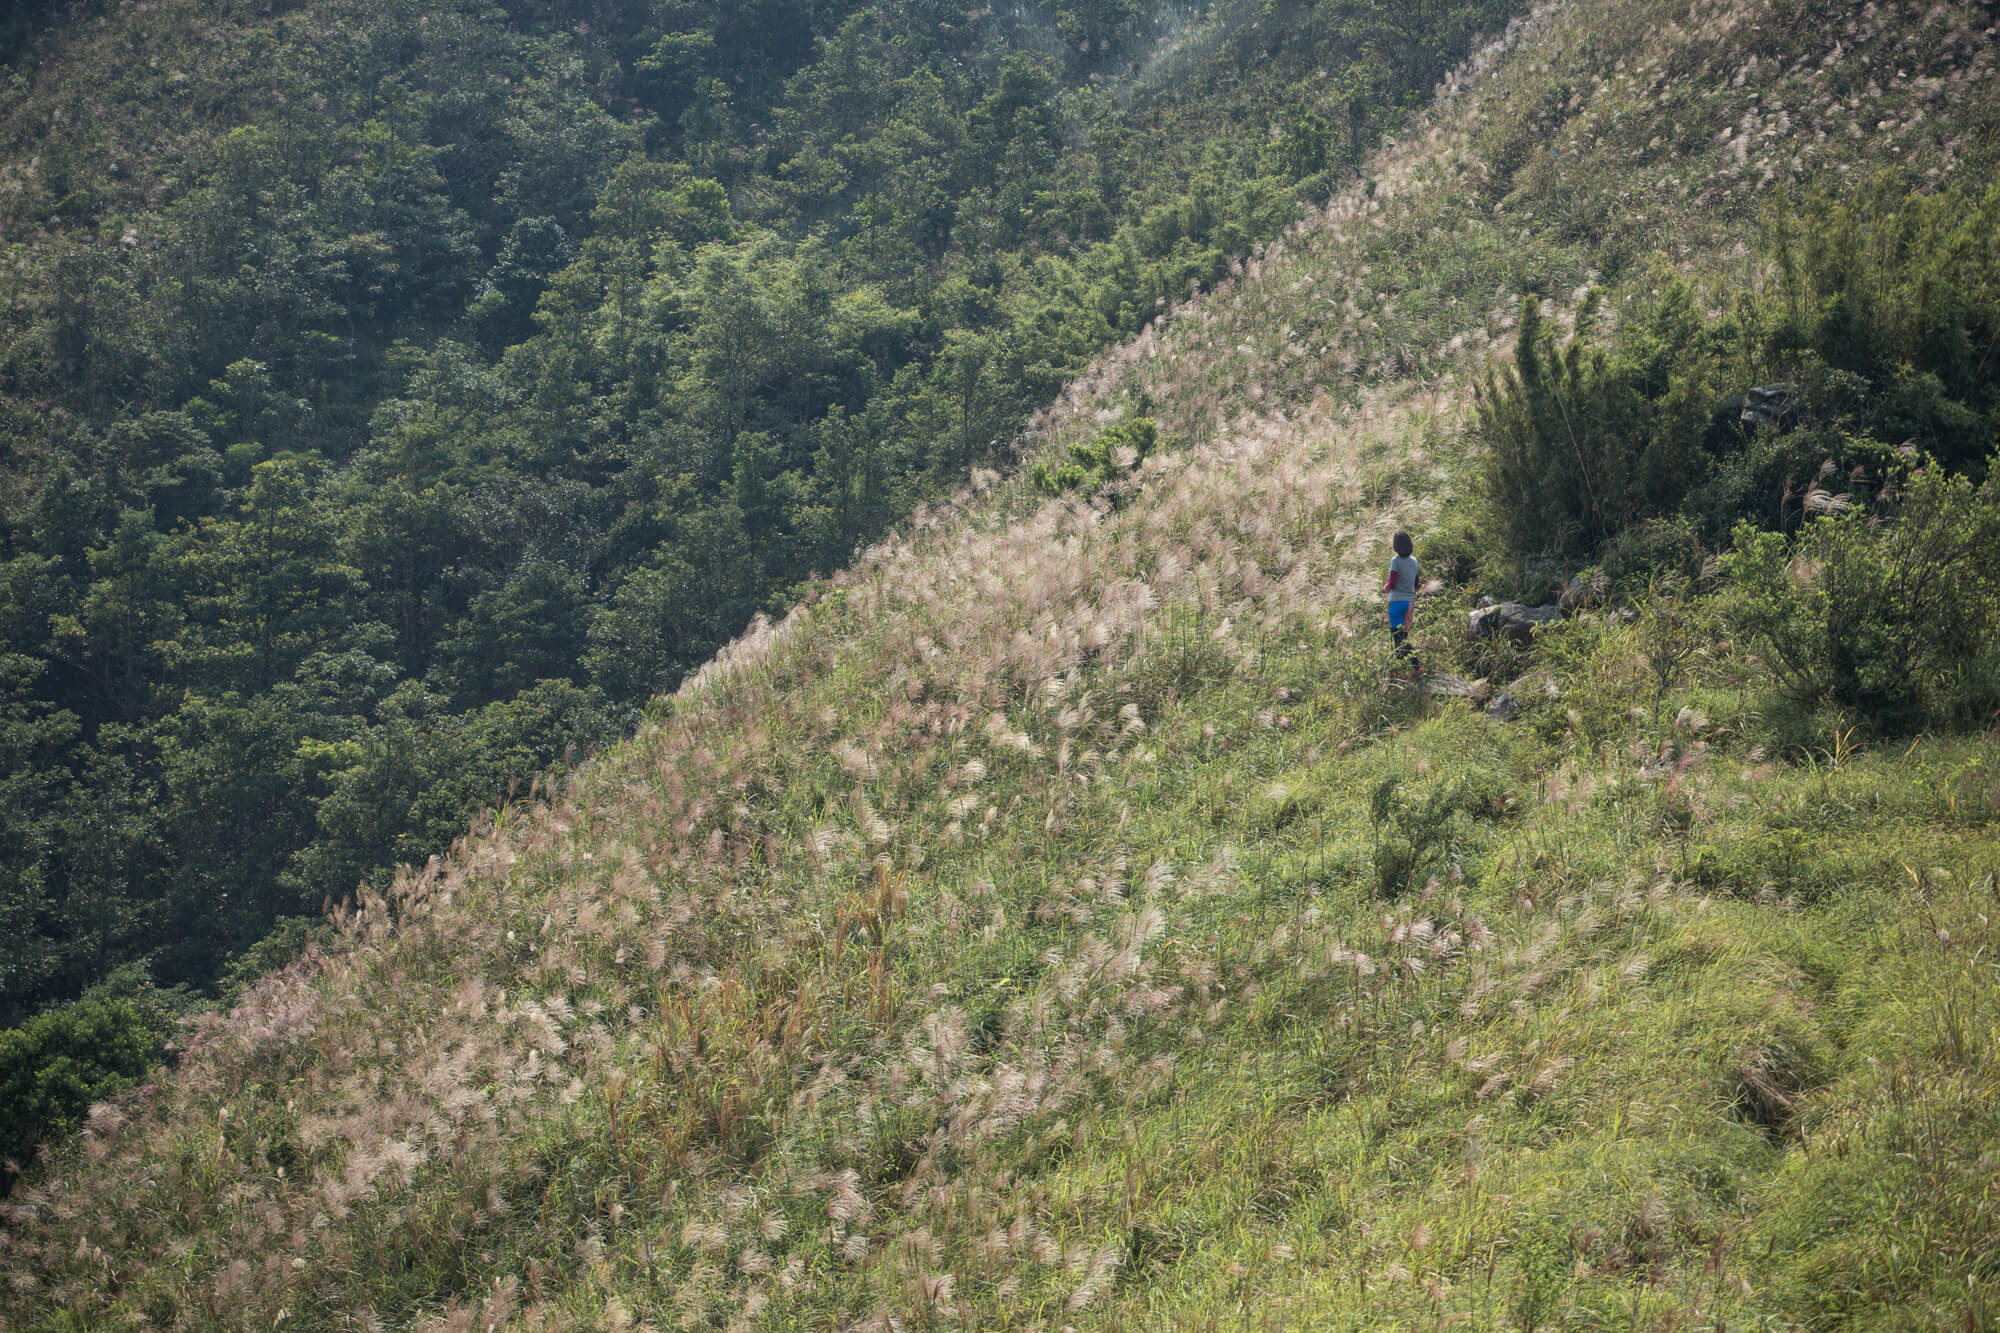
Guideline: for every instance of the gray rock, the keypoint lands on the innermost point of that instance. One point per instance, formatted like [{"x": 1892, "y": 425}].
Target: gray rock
[
  {"x": 1511, "y": 620},
  {"x": 1775, "y": 405},
  {"x": 1581, "y": 592},
  {"x": 1504, "y": 709}
]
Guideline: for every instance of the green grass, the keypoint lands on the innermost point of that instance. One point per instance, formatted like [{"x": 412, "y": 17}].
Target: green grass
[
  {"x": 1146, "y": 1047},
  {"x": 1056, "y": 923}
]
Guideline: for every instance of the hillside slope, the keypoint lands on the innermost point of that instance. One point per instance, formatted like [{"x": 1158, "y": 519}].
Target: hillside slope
[
  {"x": 1055, "y": 923},
  {"x": 394, "y": 398}
]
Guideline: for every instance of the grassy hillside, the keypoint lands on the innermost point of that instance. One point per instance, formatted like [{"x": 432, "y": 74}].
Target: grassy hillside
[
  {"x": 394, "y": 398},
  {"x": 1056, "y": 922}
]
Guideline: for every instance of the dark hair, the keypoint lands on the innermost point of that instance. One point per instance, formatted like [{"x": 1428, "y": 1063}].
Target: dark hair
[{"x": 1401, "y": 541}]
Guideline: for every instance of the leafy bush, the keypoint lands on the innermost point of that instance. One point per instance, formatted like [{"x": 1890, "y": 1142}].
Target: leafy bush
[
  {"x": 1583, "y": 443},
  {"x": 1414, "y": 832},
  {"x": 1885, "y": 327},
  {"x": 1117, "y": 451},
  {"x": 1896, "y": 617},
  {"x": 289, "y": 939},
  {"x": 1652, "y": 549},
  {"x": 56, "y": 1064},
  {"x": 1451, "y": 548},
  {"x": 1901, "y": 289}
]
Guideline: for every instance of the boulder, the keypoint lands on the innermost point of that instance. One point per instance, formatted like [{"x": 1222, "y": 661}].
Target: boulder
[
  {"x": 1451, "y": 686},
  {"x": 1511, "y": 620},
  {"x": 1773, "y": 405},
  {"x": 1504, "y": 709},
  {"x": 1581, "y": 592}
]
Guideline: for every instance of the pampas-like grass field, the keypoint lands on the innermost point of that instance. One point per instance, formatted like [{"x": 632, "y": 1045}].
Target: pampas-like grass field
[{"x": 1055, "y": 922}]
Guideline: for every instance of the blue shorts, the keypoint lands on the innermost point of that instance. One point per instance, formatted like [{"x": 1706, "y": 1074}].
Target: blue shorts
[{"x": 1399, "y": 614}]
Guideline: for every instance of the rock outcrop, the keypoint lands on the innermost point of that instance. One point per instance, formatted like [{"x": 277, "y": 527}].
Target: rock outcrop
[{"x": 1511, "y": 620}]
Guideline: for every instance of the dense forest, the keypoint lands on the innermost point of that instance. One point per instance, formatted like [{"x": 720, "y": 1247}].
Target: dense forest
[{"x": 395, "y": 397}]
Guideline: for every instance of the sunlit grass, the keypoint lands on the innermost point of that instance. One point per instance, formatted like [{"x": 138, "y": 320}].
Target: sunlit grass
[{"x": 1056, "y": 922}]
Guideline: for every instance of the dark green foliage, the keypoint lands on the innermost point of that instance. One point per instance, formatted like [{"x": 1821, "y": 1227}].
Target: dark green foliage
[
  {"x": 1885, "y": 328},
  {"x": 1901, "y": 291},
  {"x": 1414, "y": 832},
  {"x": 398, "y": 791},
  {"x": 1117, "y": 451},
  {"x": 1651, "y": 550},
  {"x": 1584, "y": 444},
  {"x": 1894, "y": 616},
  {"x": 54, "y": 1065},
  {"x": 289, "y": 940}
]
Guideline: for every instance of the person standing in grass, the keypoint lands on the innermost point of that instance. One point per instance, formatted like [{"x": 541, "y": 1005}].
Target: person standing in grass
[{"x": 1401, "y": 589}]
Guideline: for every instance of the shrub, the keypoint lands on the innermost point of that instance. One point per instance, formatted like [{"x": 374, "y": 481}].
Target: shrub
[
  {"x": 1901, "y": 289},
  {"x": 1116, "y": 451},
  {"x": 1893, "y": 615},
  {"x": 287, "y": 941},
  {"x": 1583, "y": 443},
  {"x": 1451, "y": 549},
  {"x": 1650, "y": 550},
  {"x": 1885, "y": 327},
  {"x": 1413, "y": 833},
  {"x": 56, "y": 1064}
]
